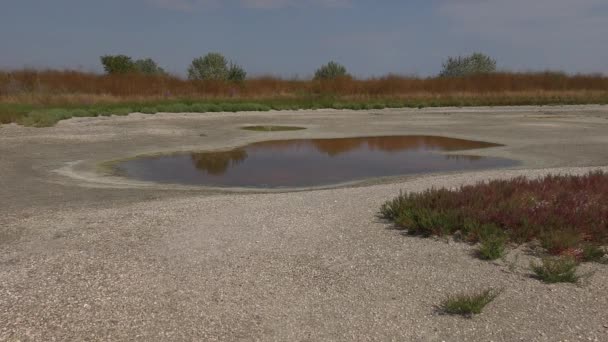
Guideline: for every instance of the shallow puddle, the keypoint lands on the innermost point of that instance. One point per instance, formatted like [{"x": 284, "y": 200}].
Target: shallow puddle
[
  {"x": 272, "y": 128},
  {"x": 311, "y": 162}
]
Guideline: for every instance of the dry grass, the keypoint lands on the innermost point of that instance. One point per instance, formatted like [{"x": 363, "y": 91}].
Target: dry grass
[
  {"x": 25, "y": 91},
  {"x": 33, "y": 85}
]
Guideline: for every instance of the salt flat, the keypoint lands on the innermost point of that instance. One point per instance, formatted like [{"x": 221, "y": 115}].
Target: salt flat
[{"x": 89, "y": 256}]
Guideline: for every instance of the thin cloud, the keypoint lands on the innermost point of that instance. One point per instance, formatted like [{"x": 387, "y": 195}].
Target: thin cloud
[
  {"x": 490, "y": 17},
  {"x": 564, "y": 33},
  {"x": 188, "y": 5}
]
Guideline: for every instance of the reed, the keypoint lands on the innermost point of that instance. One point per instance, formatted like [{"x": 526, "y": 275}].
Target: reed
[{"x": 25, "y": 91}]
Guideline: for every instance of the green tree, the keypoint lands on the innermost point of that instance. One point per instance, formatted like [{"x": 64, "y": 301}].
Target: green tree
[
  {"x": 236, "y": 73},
  {"x": 213, "y": 66},
  {"x": 330, "y": 71},
  {"x": 149, "y": 67},
  {"x": 477, "y": 63},
  {"x": 118, "y": 64}
]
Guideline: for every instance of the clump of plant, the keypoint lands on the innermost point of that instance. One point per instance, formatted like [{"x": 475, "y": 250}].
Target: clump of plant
[
  {"x": 148, "y": 66},
  {"x": 331, "y": 71},
  {"x": 477, "y": 63},
  {"x": 122, "y": 64},
  {"x": 468, "y": 304},
  {"x": 560, "y": 241},
  {"x": 593, "y": 253},
  {"x": 214, "y": 66},
  {"x": 493, "y": 243},
  {"x": 564, "y": 213},
  {"x": 117, "y": 64},
  {"x": 556, "y": 270},
  {"x": 236, "y": 73}
]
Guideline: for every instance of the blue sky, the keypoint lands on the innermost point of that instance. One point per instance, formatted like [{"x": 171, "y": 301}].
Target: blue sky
[{"x": 293, "y": 37}]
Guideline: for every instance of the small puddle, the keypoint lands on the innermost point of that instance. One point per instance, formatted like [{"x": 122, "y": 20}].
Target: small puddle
[
  {"x": 272, "y": 128},
  {"x": 311, "y": 162}
]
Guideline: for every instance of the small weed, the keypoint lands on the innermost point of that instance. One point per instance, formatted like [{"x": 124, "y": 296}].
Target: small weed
[
  {"x": 556, "y": 270},
  {"x": 593, "y": 253},
  {"x": 492, "y": 247},
  {"x": 468, "y": 304}
]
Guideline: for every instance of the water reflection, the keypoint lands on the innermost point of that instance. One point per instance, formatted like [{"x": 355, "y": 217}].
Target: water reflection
[
  {"x": 313, "y": 162},
  {"x": 217, "y": 163},
  {"x": 334, "y": 147}
]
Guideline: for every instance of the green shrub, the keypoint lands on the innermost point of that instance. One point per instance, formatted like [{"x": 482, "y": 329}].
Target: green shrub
[
  {"x": 121, "y": 111},
  {"x": 149, "y": 110},
  {"x": 118, "y": 64},
  {"x": 426, "y": 222},
  {"x": 213, "y": 66},
  {"x": 593, "y": 253},
  {"x": 148, "y": 66},
  {"x": 331, "y": 71},
  {"x": 493, "y": 243},
  {"x": 212, "y": 107},
  {"x": 468, "y": 304},
  {"x": 476, "y": 63},
  {"x": 236, "y": 73},
  {"x": 198, "y": 108},
  {"x": 175, "y": 108},
  {"x": 556, "y": 270},
  {"x": 391, "y": 209}
]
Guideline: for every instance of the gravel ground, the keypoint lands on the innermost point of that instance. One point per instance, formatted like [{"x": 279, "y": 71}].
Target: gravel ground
[{"x": 85, "y": 256}]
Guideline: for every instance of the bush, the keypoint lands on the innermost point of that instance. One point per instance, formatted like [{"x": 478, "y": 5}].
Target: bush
[
  {"x": 558, "y": 210},
  {"x": 330, "y": 71},
  {"x": 148, "y": 66},
  {"x": 477, "y": 63},
  {"x": 556, "y": 270},
  {"x": 593, "y": 253},
  {"x": 468, "y": 304},
  {"x": 213, "y": 66},
  {"x": 121, "y": 64},
  {"x": 557, "y": 242},
  {"x": 493, "y": 243},
  {"x": 118, "y": 64},
  {"x": 236, "y": 73}
]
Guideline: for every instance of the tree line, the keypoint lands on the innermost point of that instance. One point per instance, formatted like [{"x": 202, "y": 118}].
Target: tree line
[{"x": 215, "y": 66}]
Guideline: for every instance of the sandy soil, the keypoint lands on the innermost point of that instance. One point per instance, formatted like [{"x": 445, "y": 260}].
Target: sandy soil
[{"x": 86, "y": 256}]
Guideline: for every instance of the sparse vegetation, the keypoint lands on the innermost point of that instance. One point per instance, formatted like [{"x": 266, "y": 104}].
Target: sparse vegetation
[
  {"x": 565, "y": 213},
  {"x": 468, "y": 304},
  {"x": 557, "y": 270}
]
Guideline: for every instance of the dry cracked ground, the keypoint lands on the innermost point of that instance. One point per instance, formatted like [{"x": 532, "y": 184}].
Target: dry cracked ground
[{"x": 90, "y": 257}]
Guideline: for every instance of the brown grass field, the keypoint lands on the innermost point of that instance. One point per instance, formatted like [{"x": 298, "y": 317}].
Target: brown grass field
[{"x": 25, "y": 91}]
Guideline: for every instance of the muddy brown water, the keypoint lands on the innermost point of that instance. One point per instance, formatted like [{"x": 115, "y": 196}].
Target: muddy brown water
[{"x": 312, "y": 162}]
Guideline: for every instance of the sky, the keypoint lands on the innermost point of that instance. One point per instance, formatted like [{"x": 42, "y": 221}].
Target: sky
[{"x": 291, "y": 38}]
